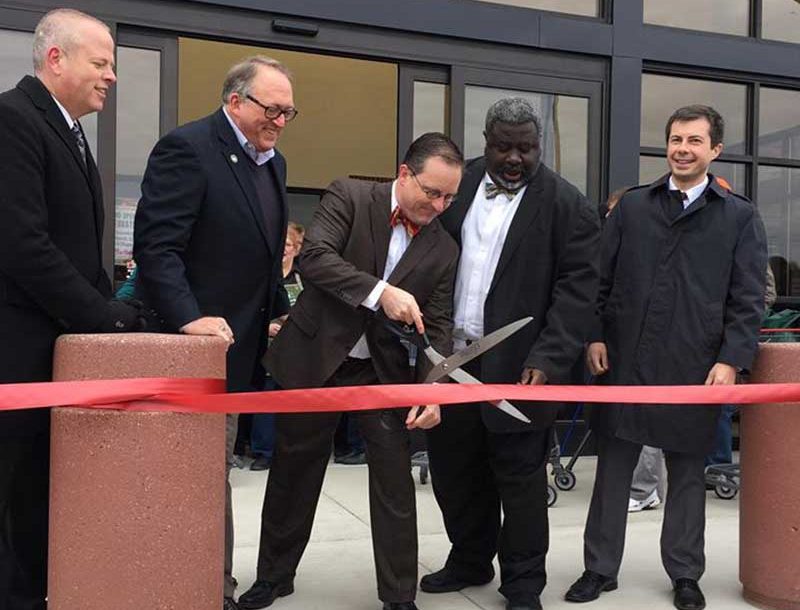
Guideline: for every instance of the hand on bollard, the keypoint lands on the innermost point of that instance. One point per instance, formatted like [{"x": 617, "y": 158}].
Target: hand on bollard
[
  {"x": 209, "y": 326},
  {"x": 123, "y": 316}
]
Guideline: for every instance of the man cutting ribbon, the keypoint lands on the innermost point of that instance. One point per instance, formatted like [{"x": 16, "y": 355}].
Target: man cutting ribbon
[{"x": 359, "y": 256}]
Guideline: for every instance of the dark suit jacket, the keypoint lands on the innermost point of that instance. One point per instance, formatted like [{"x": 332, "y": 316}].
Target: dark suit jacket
[
  {"x": 343, "y": 256},
  {"x": 548, "y": 270},
  {"x": 51, "y": 231},
  {"x": 676, "y": 296},
  {"x": 200, "y": 240}
]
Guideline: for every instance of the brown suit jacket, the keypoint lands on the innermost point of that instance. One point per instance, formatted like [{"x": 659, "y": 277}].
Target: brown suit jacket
[{"x": 343, "y": 256}]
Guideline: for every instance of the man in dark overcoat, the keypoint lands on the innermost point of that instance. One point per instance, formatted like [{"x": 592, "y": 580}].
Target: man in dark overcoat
[
  {"x": 680, "y": 303},
  {"x": 52, "y": 279},
  {"x": 528, "y": 243},
  {"x": 211, "y": 226},
  {"x": 372, "y": 247}
]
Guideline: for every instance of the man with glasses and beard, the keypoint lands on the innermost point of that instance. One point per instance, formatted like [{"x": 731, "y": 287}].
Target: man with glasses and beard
[{"x": 528, "y": 242}]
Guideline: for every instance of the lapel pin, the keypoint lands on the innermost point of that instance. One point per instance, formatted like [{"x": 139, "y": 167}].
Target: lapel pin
[{"x": 234, "y": 159}]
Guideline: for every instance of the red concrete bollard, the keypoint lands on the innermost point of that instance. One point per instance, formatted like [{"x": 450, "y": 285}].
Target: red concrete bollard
[
  {"x": 769, "y": 546},
  {"x": 136, "y": 499}
]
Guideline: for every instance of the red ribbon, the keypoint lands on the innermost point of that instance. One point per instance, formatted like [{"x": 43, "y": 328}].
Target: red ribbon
[{"x": 206, "y": 395}]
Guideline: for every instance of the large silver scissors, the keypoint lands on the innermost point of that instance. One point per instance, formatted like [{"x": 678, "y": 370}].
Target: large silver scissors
[{"x": 451, "y": 366}]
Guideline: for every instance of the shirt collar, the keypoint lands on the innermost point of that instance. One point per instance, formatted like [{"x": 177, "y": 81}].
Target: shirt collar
[
  {"x": 394, "y": 196},
  {"x": 260, "y": 158},
  {"x": 693, "y": 193},
  {"x": 70, "y": 121}
]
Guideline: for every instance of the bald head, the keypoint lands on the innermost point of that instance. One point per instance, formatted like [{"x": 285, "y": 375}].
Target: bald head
[{"x": 73, "y": 56}]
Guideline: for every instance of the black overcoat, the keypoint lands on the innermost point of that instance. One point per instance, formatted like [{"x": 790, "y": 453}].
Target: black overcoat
[
  {"x": 51, "y": 233},
  {"x": 201, "y": 241},
  {"x": 547, "y": 269},
  {"x": 676, "y": 297}
]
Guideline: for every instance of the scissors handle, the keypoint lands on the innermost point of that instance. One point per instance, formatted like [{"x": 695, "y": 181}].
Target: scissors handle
[{"x": 405, "y": 332}]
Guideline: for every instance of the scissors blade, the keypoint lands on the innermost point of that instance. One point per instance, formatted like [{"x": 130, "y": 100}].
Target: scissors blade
[
  {"x": 461, "y": 376},
  {"x": 473, "y": 350}
]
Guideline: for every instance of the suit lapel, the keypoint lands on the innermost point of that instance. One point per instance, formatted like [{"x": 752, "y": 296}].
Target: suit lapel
[
  {"x": 415, "y": 253},
  {"x": 97, "y": 195},
  {"x": 453, "y": 218},
  {"x": 42, "y": 99},
  {"x": 526, "y": 214},
  {"x": 380, "y": 212},
  {"x": 236, "y": 159}
]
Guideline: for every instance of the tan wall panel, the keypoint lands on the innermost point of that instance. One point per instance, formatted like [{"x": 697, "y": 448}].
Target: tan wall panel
[{"x": 348, "y": 108}]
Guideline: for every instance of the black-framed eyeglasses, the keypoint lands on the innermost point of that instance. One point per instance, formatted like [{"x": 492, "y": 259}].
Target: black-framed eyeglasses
[
  {"x": 273, "y": 112},
  {"x": 433, "y": 194}
]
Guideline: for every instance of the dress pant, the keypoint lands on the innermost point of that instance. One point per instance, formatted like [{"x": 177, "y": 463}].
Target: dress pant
[
  {"x": 24, "y": 495},
  {"x": 683, "y": 529},
  {"x": 231, "y": 428},
  {"x": 476, "y": 472},
  {"x": 302, "y": 450}
]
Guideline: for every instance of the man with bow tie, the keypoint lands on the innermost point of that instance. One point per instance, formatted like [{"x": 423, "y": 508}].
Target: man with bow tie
[
  {"x": 528, "y": 242},
  {"x": 373, "y": 251}
]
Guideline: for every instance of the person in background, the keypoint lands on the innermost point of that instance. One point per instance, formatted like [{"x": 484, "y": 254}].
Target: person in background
[{"x": 262, "y": 430}]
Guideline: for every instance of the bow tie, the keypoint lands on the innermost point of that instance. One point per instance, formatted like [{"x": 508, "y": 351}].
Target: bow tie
[
  {"x": 398, "y": 218},
  {"x": 493, "y": 190}
]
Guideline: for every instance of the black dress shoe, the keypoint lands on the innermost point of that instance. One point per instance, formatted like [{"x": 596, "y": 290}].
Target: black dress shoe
[
  {"x": 589, "y": 586},
  {"x": 447, "y": 581},
  {"x": 262, "y": 594},
  {"x": 354, "y": 458},
  {"x": 688, "y": 595},
  {"x": 262, "y": 462},
  {"x": 399, "y": 606},
  {"x": 229, "y": 604},
  {"x": 528, "y": 604}
]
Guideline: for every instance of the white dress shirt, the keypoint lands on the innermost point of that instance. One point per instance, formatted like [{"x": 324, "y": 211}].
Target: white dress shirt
[
  {"x": 692, "y": 194},
  {"x": 397, "y": 247},
  {"x": 482, "y": 237},
  {"x": 70, "y": 121}
]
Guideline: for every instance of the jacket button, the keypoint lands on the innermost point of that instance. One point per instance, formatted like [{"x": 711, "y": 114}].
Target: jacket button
[{"x": 262, "y": 309}]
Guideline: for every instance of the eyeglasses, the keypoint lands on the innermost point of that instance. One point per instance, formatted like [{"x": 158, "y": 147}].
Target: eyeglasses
[
  {"x": 433, "y": 194},
  {"x": 273, "y": 112}
]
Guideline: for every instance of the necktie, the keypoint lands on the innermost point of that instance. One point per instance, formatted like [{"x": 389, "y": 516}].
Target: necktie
[
  {"x": 76, "y": 131},
  {"x": 398, "y": 217},
  {"x": 493, "y": 190},
  {"x": 676, "y": 199}
]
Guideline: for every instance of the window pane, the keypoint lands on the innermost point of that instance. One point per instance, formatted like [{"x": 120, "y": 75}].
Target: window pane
[
  {"x": 735, "y": 174},
  {"x": 431, "y": 106},
  {"x": 565, "y": 128},
  {"x": 779, "y": 204},
  {"x": 662, "y": 95},
  {"x": 781, "y": 20},
  {"x": 138, "y": 93},
  {"x": 590, "y": 8},
  {"x": 719, "y": 16},
  {"x": 779, "y": 123}
]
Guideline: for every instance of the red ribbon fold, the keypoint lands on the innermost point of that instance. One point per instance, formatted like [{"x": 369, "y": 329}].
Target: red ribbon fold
[{"x": 207, "y": 395}]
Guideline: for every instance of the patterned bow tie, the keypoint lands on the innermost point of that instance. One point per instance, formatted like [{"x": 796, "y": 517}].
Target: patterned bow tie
[
  {"x": 493, "y": 190},
  {"x": 398, "y": 217}
]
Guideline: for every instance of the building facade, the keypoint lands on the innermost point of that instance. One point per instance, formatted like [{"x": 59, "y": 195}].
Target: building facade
[{"x": 372, "y": 74}]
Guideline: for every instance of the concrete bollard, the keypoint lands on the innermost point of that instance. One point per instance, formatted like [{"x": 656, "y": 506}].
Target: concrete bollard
[
  {"x": 136, "y": 499},
  {"x": 769, "y": 546}
]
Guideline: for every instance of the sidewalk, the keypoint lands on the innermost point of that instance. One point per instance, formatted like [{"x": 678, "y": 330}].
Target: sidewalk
[{"x": 337, "y": 570}]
